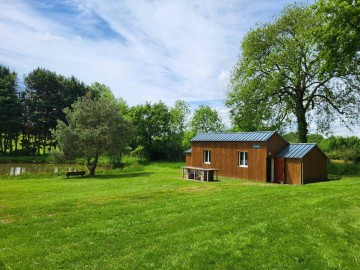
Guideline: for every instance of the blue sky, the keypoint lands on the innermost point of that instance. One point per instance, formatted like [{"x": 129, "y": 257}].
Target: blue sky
[{"x": 143, "y": 50}]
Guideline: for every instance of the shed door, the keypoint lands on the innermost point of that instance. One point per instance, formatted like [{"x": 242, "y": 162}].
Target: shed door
[
  {"x": 279, "y": 169},
  {"x": 268, "y": 170}
]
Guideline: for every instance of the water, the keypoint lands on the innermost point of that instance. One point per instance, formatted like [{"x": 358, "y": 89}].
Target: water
[{"x": 13, "y": 169}]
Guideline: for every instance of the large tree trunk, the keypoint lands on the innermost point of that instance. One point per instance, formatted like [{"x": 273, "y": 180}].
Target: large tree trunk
[
  {"x": 302, "y": 125},
  {"x": 5, "y": 143},
  {"x": 16, "y": 142},
  {"x": 44, "y": 146},
  {"x": 92, "y": 165},
  {"x": 11, "y": 145},
  {"x": 38, "y": 145}
]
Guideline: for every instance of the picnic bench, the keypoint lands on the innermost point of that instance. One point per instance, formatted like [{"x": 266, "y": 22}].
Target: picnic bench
[
  {"x": 202, "y": 174},
  {"x": 82, "y": 173}
]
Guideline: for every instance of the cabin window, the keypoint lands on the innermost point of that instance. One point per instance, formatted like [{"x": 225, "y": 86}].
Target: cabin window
[
  {"x": 243, "y": 159},
  {"x": 207, "y": 156}
]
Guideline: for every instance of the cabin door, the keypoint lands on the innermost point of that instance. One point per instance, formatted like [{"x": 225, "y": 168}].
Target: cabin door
[
  {"x": 268, "y": 170},
  {"x": 279, "y": 170}
]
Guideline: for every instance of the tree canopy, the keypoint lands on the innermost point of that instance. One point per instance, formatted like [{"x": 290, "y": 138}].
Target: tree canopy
[
  {"x": 94, "y": 127},
  {"x": 282, "y": 77},
  {"x": 179, "y": 120},
  {"x": 45, "y": 97},
  {"x": 10, "y": 110},
  {"x": 152, "y": 124},
  {"x": 339, "y": 34},
  {"x": 206, "y": 120}
]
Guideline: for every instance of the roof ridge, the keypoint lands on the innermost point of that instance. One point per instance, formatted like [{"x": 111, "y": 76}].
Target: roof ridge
[
  {"x": 251, "y": 136},
  {"x": 234, "y": 132},
  {"x": 302, "y": 143}
]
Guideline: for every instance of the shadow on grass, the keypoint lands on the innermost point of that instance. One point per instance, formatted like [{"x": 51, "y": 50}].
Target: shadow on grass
[
  {"x": 332, "y": 177},
  {"x": 112, "y": 176}
]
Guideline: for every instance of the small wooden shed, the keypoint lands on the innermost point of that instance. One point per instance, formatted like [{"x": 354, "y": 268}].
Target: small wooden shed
[{"x": 300, "y": 163}]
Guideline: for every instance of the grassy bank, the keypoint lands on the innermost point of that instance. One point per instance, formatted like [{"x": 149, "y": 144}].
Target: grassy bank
[
  {"x": 103, "y": 161},
  {"x": 26, "y": 159},
  {"x": 335, "y": 167},
  {"x": 148, "y": 218}
]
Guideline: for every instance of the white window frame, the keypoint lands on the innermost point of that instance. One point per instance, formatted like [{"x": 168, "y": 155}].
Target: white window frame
[
  {"x": 243, "y": 158},
  {"x": 207, "y": 156}
]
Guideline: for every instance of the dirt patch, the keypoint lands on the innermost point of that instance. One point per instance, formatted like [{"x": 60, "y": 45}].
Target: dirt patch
[{"x": 7, "y": 220}]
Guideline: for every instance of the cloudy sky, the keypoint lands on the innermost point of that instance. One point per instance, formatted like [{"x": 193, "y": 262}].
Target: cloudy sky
[{"x": 146, "y": 50}]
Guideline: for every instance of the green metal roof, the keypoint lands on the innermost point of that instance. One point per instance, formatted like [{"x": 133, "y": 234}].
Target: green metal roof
[{"x": 259, "y": 136}]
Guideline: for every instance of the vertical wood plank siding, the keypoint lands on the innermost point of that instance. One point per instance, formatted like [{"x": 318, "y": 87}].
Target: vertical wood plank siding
[
  {"x": 188, "y": 159},
  {"x": 315, "y": 166},
  {"x": 276, "y": 144},
  {"x": 293, "y": 171},
  {"x": 224, "y": 156}
]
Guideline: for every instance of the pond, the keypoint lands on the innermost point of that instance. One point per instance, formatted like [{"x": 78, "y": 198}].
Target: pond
[{"x": 13, "y": 169}]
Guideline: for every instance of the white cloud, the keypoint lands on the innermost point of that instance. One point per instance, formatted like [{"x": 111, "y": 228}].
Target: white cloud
[
  {"x": 49, "y": 37},
  {"x": 172, "y": 49},
  {"x": 155, "y": 50},
  {"x": 78, "y": 38},
  {"x": 339, "y": 129},
  {"x": 224, "y": 80}
]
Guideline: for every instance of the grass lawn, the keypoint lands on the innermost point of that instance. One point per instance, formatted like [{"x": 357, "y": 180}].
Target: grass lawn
[{"x": 151, "y": 219}]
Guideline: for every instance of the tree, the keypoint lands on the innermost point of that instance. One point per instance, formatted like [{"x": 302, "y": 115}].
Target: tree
[
  {"x": 281, "y": 77},
  {"x": 340, "y": 33},
  {"x": 342, "y": 148},
  {"x": 95, "y": 127},
  {"x": 10, "y": 109},
  {"x": 179, "y": 115},
  {"x": 206, "y": 120},
  {"x": 99, "y": 90},
  {"x": 43, "y": 96},
  {"x": 46, "y": 95},
  {"x": 152, "y": 124}
]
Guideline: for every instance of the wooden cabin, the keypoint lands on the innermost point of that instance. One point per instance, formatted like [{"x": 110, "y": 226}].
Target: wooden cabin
[{"x": 260, "y": 156}]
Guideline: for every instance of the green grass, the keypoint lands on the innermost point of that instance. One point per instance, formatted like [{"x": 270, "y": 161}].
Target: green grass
[
  {"x": 148, "y": 218},
  {"x": 340, "y": 167}
]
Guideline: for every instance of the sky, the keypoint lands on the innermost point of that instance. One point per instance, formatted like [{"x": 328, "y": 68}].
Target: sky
[{"x": 145, "y": 51}]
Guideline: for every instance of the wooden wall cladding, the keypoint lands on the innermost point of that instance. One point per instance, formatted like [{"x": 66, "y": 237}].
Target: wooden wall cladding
[
  {"x": 224, "y": 156},
  {"x": 293, "y": 171},
  {"x": 275, "y": 145},
  {"x": 315, "y": 166},
  {"x": 188, "y": 159}
]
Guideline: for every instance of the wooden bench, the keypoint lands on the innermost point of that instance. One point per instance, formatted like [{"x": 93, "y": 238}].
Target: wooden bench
[{"x": 75, "y": 173}]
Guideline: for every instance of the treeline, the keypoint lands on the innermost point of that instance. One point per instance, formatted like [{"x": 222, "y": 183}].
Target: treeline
[
  {"x": 27, "y": 117},
  {"x": 161, "y": 132}
]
